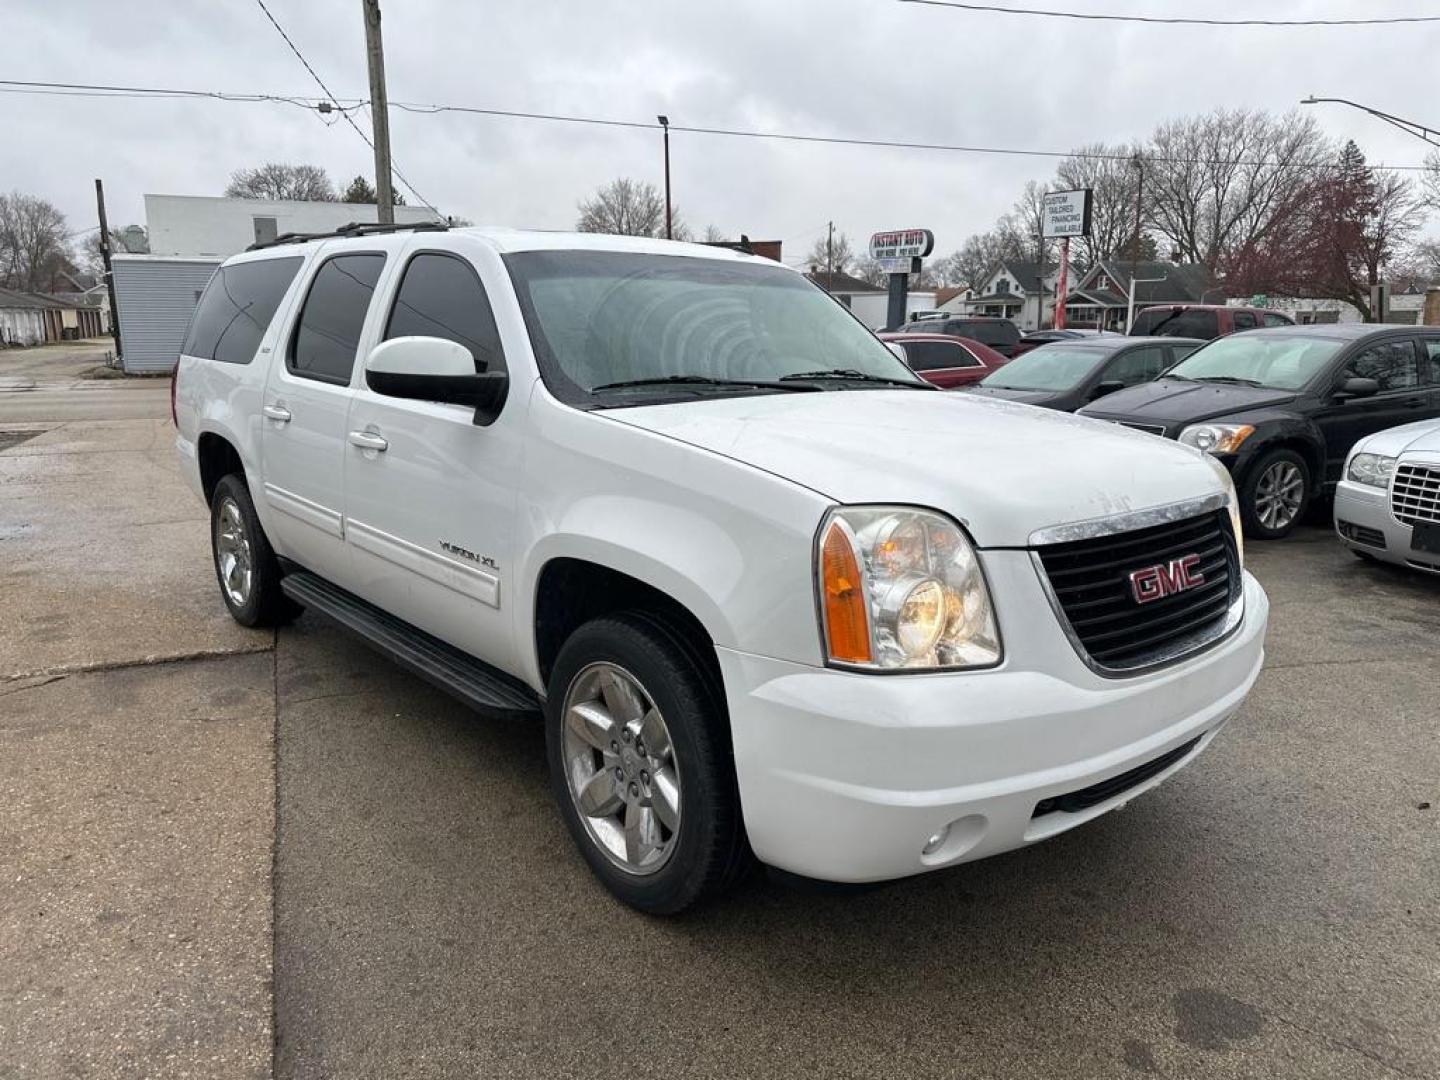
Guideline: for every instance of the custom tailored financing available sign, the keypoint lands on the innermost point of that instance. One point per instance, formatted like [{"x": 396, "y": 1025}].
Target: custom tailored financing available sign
[
  {"x": 902, "y": 244},
  {"x": 1066, "y": 214}
]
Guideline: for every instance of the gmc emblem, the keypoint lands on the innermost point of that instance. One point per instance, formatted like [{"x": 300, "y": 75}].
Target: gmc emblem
[{"x": 1166, "y": 579}]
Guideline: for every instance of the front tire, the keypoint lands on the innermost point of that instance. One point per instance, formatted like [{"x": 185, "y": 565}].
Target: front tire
[
  {"x": 640, "y": 762},
  {"x": 1275, "y": 494},
  {"x": 245, "y": 565}
]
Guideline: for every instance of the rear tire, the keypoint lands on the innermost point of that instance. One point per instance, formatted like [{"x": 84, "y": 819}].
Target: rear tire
[
  {"x": 245, "y": 564},
  {"x": 1275, "y": 494},
  {"x": 638, "y": 742}
]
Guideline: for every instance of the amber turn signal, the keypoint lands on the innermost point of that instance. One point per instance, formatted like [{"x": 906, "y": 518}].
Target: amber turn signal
[{"x": 846, "y": 629}]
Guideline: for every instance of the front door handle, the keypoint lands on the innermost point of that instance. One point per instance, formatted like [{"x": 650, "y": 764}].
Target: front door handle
[
  {"x": 278, "y": 413},
  {"x": 1413, "y": 402},
  {"x": 368, "y": 440}
]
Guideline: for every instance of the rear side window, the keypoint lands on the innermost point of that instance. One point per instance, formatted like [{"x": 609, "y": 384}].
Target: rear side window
[
  {"x": 328, "y": 333},
  {"x": 935, "y": 355},
  {"x": 1245, "y": 320},
  {"x": 1193, "y": 323},
  {"x": 1272, "y": 319},
  {"x": 1144, "y": 324},
  {"x": 441, "y": 296},
  {"x": 236, "y": 309},
  {"x": 994, "y": 333}
]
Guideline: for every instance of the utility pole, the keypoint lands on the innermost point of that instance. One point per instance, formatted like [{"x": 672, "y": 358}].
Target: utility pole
[
  {"x": 669, "y": 221},
  {"x": 830, "y": 252},
  {"x": 379, "y": 113},
  {"x": 105, "y": 261},
  {"x": 1139, "y": 163}
]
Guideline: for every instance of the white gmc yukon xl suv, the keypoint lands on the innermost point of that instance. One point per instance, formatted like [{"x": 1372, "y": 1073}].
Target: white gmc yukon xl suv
[{"x": 772, "y": 596}]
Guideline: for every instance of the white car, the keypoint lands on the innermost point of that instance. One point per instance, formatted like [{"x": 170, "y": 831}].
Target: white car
[
  {"x": 1387, "y": 505},
  {"x": 771, "y": 594}
]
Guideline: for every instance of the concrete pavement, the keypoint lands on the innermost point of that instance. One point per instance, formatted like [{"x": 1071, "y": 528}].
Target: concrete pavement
[{"x": 1269, "y": 912}]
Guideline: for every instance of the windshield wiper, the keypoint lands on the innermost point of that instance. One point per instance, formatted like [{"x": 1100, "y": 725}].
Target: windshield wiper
[
  {"x": 697, "y": 380},
  {"x": 1232, "y": 379},
  {"x": 853, "y": 375}
]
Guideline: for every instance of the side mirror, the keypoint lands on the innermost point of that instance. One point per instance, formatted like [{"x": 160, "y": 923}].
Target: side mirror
[
  {"x": 1109, "y": 386},
  {"x": 898, "y": 350},
  {"x": 1357, "y": 387},
  {"x": 434, "y": 369}
]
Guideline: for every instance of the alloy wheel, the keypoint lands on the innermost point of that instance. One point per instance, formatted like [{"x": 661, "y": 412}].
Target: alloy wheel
[
  {"x": 1279, "y": 495},
  {"x": 232, "y": 554},
  {"x": 620, "y": 768}
]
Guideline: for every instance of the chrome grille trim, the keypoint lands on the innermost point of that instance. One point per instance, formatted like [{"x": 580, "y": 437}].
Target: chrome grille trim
[
  {"x": 1129, "y": 522},
  {"x": 1415, "y": 494}
]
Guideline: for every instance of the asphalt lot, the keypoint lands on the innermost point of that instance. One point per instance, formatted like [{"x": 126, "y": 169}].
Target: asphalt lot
[{"x": 168, "y": 780}]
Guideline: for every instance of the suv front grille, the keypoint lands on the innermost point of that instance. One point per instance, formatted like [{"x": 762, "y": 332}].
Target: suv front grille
[
  {"x": 1415, "y": 495},
  {"x": 1097, "y": 597}
]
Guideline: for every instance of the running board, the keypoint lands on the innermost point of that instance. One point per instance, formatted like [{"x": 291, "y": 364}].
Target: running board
[{"x": 477, "y": 684}]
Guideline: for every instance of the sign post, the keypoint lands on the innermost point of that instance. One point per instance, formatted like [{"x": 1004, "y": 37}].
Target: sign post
[
  {"x": 899, "y": 253},
  {"x": 1064, "y": 214}
]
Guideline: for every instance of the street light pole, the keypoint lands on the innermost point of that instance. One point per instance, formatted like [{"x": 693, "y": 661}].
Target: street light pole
[
  {"x": 669, "y": 222},
  {"x": 1410, "y": 127}
]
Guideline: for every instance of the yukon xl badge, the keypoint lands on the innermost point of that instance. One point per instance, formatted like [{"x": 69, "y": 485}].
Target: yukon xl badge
[
  {"x": 466, "y": 553},
  {"x": 1165, "y": 579}
]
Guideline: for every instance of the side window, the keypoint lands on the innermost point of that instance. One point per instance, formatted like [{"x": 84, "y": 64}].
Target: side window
[
  {"x": 328, "y": 333},
  {"x": 1271, "y": 319},
  {"x": 1135, "y": 366},
  {"x": 935, "y": 355},
  {"x": 237, "y": 307},
  {"x": 1245, "y": 320},
  {"x": 441, "y": 296},
  {"x": 1432, "y": 353},
  {"x": 1196, "y": 324},
  {"x": 1180, "y": 352},
  {"x": 1145, "y": 322},
  {"x": 1393, "y": 364}
]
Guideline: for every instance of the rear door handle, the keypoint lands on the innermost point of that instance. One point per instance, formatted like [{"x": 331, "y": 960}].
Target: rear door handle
[
  {"x": 368, "y": 440},
  {"x": 278, "y": 413}
]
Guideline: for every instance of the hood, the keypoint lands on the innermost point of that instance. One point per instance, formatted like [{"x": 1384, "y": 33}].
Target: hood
[
  {"x": 1029, "y": 397},
  {"x": 1002, "y": 468},
  {"x": 1179, "y": 400},
  {"x": 1419, "y": 438}
]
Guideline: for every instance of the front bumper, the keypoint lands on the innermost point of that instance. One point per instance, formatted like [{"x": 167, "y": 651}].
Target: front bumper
[
  {"x": 1364, "y": 523},
  {"x": 846, "y": 776}
]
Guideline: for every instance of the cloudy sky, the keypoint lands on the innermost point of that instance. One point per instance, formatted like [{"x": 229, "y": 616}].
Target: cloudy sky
[{"x": 863, "y": 68}]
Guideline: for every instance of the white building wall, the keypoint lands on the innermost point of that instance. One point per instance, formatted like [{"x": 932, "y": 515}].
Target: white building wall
[
  {"x": 873, "y": 309},
  {"x": 156, "y": 296},
  {"x": 1405, "y": 308},
  {"x": 190, "y": 225},
  {"x": 21, "y": 326}
]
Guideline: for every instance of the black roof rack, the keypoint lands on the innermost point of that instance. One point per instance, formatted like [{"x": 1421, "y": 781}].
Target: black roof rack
[{"x": 354, "y": 228}]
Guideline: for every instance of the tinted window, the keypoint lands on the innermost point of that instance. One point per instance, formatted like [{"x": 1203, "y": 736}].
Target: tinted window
[
  {"x": 1392, "y": 364},
  {"x": 1146, "y": 320},
  {"x": 934, "y": 355},
  {"x": 328, "y": 334},
  {"x": 1135, "y": 366},
  {"x": 1180, "y": 352},
  {"x": 1271, "y": 319},
  {"x": 1432, "y": 351},
  {"x": 1192, "y": 323},
  {"x": 441, "y": 296},
  {"x": 1245, "y": 320},
  {"x": 987, "y": 333},
  {"x": 236, "y": 308}
]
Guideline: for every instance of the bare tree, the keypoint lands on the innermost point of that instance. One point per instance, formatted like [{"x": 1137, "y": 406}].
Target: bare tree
[
  {"x": 1416, "y": 267},
  {"x": 274, "y": 180},
  {"x": 837, "y": 255},
  {"x": 33, "y": 251},
  {"x": 127, "y": 240},
  {"x": 1023, "y": 226},
  {"x": 626, "y": 207},
  {"x": 1431, "y": 180},
  {"x": 1222, "y": 180},
  {"x": 713, "y": 235},
  {"x": 1112, "y": 174}
]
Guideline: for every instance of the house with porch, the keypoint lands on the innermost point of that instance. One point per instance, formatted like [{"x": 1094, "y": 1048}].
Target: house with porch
[
  {"x": 1100, "y": 298},
  {"x": 1012, "y": 290}
]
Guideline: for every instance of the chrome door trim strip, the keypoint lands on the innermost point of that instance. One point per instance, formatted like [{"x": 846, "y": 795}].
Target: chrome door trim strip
[
  {"x": 328, "y": 521},
  {"x": 1128, "y": 522},
  {"x": 469, "y": 581}
]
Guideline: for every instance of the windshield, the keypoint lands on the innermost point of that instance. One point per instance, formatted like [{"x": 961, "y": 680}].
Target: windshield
[
  {"x": 1272, "y": 359},
  {"x": 608, "y": 326},
  {"x": 1049, "y": 367}
]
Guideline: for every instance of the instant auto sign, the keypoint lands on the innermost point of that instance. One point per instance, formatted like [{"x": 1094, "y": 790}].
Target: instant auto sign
[{"x": 902, "y": 244}]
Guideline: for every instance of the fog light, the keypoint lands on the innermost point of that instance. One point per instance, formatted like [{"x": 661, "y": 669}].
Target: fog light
[{"x": 936, "y": 842}]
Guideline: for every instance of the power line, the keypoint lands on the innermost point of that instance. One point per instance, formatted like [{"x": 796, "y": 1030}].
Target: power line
[
  {"x": 348, "y": 118},
  {"x": 996, "y": 9},
  {"x": 642, "y": 125}
]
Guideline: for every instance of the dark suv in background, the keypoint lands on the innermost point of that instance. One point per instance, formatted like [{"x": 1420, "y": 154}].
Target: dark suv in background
[
  {"x": 1281, "y": 408},
  {"x": 1204, "y": 321},
  {"x": 1000, "y": 334}
]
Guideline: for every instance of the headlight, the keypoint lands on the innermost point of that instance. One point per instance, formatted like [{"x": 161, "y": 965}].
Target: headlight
[
  {"x": 902, "y": 588},
  {"x": 1371, "y": 469},
  {"x": 1216, "y": 438}
]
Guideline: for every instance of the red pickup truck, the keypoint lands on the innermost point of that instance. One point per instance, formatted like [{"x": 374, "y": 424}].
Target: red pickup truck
[{"x": 1204, "y": 321}]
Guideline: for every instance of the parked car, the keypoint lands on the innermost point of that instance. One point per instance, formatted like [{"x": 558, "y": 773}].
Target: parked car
[
  {"x": 999, "y": 334},
  {"x": 1387, "y": 503},
  {"x": 945, "y": 360},
  {"x": 1204, "y": 321},
  {"x": 767, "y": 590},
  {"x": 1036, "y": 338},
  {"x": 1282, "y": 408},
  {"x": 1065, "y": 375}
]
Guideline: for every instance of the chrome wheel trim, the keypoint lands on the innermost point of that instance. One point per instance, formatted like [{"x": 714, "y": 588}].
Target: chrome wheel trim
[
  {"x": 620, "y": 768},
  {"x": 232, "y": 553},
  {"x": 1279, "y": 494}
]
